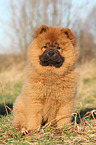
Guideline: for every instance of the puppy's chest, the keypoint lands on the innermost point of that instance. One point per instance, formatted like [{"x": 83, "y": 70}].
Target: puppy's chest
[
  {"x": 59, "y": 90},
  {"x": 52, "y": 90},
  {"x": 50, "y": 96}
]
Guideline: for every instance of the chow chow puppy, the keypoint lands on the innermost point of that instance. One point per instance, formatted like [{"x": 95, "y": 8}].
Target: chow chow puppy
[{"x": 50, "y": 86}]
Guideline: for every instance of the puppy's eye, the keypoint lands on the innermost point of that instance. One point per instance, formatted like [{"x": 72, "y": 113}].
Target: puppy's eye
[
  {"x": 45, "y": 47},
  {"x": 58, "y": 47}
]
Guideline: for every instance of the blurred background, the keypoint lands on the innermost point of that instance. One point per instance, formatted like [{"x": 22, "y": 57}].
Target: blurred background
[{"x": 19, "y": 19}]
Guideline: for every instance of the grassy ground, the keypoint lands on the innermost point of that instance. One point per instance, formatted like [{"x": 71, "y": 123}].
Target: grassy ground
[{"x": 11, "y": 81}]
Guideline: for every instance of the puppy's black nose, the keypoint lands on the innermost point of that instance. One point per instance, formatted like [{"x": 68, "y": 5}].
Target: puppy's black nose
[{"x": 51, "y": 53}]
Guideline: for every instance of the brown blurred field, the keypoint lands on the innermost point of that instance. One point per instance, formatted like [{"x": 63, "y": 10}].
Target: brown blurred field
[{"x": 13, "y": 68}]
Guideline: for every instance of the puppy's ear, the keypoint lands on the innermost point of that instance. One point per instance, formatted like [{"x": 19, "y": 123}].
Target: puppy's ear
[
  {"x": 69, "y": 35},
  {"x": 40, "y": 30}
]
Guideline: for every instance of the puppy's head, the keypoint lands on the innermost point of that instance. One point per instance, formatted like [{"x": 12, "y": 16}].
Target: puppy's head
[{"x": 53, "y": 50}]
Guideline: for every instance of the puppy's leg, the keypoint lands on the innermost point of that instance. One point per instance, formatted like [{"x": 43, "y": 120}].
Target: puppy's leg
[
  {"x": 64, "y": 114},
  {"x": 33, "y": 116},
  {"x": 18, "y": 113}
]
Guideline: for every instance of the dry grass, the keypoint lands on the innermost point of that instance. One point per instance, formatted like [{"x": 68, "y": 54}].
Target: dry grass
[
  {"x": 86, "y": 94},
  {"x": 12, "y": 76}
]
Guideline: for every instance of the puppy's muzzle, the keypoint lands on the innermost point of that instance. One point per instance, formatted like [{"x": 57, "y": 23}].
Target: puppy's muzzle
[
  {"x": 51, "y": 53},
  {"x": 51, "y": 57}
]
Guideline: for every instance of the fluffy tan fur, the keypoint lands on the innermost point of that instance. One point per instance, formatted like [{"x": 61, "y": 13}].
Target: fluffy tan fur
[{"x": 48, "y": 92}]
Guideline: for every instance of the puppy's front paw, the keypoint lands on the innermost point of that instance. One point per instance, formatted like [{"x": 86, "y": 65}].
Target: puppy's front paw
[{"x": 24, "y": 131}]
